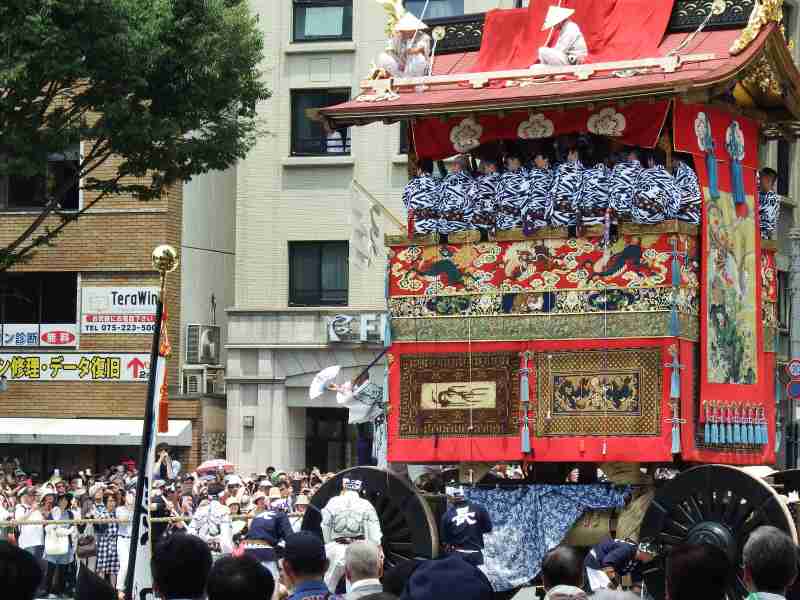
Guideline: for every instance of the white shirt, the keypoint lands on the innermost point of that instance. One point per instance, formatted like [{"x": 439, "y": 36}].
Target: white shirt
[
  {"x": 29, "y": 535},
  {"x": 571, "y": 41},
  {"x": 349, "y": 516},
  {"x": 123, "y": 513}
]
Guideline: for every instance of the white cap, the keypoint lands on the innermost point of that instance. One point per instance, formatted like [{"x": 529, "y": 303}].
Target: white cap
[
  {"x": 409, "y": 22},
  {"x": 234, "y": 480},
  {"x": 555, "y": 16},
  {"x": 454, "y": 491}
]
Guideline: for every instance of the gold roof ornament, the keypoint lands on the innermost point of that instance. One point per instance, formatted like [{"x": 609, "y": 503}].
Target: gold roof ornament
[{"x": 764, "y": 12}]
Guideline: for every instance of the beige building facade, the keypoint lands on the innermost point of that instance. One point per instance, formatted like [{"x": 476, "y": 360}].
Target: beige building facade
[{"x": 294, "y": 222}]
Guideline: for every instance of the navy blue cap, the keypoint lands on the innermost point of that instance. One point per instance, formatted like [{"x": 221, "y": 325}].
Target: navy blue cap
[
  {"x": 304, "y": 546},
  {"x": 450, "y": 577}
]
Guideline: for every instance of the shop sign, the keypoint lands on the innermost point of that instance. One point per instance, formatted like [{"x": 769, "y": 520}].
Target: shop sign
[
  {"x": 355, "y": 329},
  {"x": 127, "y": 310},
  {"x": 33, "y": 335},
  {"x": 74, "y": 366}
]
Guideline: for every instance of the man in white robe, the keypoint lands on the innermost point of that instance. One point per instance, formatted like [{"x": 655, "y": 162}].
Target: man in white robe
[
  {"x": 570, "y": 46},
  {"x": 408, "y": 52},
  {"x": 345, "y": 519}
]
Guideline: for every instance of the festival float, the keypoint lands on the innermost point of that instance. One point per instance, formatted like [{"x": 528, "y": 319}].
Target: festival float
[{"x": 624, "y": 347}]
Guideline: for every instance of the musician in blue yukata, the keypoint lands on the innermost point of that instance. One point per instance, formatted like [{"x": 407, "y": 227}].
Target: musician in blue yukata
[
  {"x": 595, "y": 189},
  {"x": 512, "y": 194},
  {"x": 464, "y": 525},
  {"x": 483, "y": 196},
  {"x": 769, "y": 204},
  {"x": 421, "y": 198},
  {"x": 540, "y": 178},
  {"x": 689, "y": 188},
  {"x": 656, "y": 194},
  {"x": 454, "y": 198},
  {"x": 624, "y": 177},
  {"x": 565, "y": 195}
]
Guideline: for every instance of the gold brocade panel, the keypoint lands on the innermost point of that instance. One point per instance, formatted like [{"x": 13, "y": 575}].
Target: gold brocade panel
[
  {"x": 459, "y": 395},
  {"x": 614, "y": 392}
]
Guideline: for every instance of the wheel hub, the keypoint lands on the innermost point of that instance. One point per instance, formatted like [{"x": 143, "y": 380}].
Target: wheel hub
[{"x": 715, "y": 534}]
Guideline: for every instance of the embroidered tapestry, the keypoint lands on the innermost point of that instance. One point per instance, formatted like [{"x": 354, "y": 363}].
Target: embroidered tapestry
[
  {"x": 614, "y": 392},
  {"x": 505, "y": 267},
  {"x": 456, "y": 395}
]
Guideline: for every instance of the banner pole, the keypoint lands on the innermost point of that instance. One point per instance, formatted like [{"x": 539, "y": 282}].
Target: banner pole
[{"x": 148, "y": 431}]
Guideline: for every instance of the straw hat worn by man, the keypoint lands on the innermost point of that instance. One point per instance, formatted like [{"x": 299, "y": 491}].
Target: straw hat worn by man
[
  {"x": 569, "y": 47},
  {"x": 408, "y": 52}
]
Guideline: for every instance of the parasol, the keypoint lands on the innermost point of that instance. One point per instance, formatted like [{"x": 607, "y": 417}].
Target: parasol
[
  {"x": 321, "y": 380},
  {"x": 212, "y": 466}
]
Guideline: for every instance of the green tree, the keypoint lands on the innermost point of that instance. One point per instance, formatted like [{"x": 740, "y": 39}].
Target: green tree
[{"x": 168, "y": 87}]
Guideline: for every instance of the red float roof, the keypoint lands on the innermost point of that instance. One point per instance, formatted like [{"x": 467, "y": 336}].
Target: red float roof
[{"x": 504, "y": 93}]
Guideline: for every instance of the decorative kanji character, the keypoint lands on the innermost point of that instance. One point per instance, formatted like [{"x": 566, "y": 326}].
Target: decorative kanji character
[
  {"x": 99, "y": 368},
  {"x": 114, "y": 368}
]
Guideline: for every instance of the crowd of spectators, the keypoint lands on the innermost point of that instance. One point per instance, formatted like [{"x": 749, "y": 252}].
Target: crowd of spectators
[
  {"x": 104, "y": 547},
  {"x": 183, "y": 569}
]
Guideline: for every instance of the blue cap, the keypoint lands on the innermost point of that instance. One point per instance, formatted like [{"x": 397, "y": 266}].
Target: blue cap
[
  {"x": 450, "y": 577},
  {"x": 303, "y": 546}
]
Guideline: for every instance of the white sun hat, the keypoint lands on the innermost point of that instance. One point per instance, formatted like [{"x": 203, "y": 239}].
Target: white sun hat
[
  {"x": 555, "y": 16},
  {"x": 409, "y": 22}
]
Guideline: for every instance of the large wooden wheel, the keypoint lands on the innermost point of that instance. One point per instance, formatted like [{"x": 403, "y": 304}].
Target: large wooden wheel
[
  {"x": 409, "y": 529},
  {"x": 714, "y": 504}
]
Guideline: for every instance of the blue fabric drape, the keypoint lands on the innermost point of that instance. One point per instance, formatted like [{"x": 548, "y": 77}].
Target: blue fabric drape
[{"x": 530, "y": 520}]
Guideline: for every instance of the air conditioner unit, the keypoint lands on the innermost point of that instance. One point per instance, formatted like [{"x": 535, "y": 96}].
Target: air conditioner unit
[
  {"x": 203, "y": 345},
  {"x": 192, "y": 383}
]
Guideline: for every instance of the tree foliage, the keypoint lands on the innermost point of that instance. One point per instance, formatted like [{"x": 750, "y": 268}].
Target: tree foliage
[{"x": 167, "y": 87}]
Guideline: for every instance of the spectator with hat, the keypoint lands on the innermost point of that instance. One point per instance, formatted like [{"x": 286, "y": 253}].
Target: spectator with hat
[
  {"x": 304, "y": 564},
  {"x": 449, "y": 577},
  {"x": 300, "y": 506},
  {"x": 31, "y": 537},
  {"x": 58, "y": 542},
  {"x": 208, "y": 521},
  {"x": 266, "y": 531}
]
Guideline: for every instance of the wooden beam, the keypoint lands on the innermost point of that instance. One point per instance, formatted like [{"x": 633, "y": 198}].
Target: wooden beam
[{"x": 668, "y": 64}]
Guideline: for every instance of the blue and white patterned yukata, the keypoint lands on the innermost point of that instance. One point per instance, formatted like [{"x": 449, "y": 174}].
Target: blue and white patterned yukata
[
  {"x": 455, "y": 203},
  {"x": 689, "y": 187},
  {"x": 595, "y": 190},
  {"x": 534, "y": 214},
  {"x": 656, "y": 196},
  {"x": 769, "y": 206},
  {"x": 421, "y": 195},
  {"x": 483, "y": 195},
  {"x": 512, "y": 196},
  {"x": 565, "y": 195},
  {"x": 624, "y": 177}
]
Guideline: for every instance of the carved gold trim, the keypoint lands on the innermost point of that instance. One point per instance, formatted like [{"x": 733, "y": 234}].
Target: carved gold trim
[{"x": 765, "y": 11}]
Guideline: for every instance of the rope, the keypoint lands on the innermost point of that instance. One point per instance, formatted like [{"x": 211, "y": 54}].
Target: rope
[{"x": 16, "y": 523}]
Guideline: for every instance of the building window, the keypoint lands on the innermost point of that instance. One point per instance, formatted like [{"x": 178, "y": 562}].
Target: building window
[
  {"x": 784, "y": 300},
  {"x": 309, "y": 136},
  {"x": 323, "y": 20},
  {"x": 404, "y": 133},
  {"x": 318, "y": 273},
  {"x": 21, "y": 192},
  {"x": 436, "y": 8},
  {"x": 28, "y": 298}
]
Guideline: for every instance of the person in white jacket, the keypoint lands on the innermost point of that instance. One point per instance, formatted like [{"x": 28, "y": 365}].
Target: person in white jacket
[
  {"x": 124, "y": 513},
  {"x": 569, "y": 47}
]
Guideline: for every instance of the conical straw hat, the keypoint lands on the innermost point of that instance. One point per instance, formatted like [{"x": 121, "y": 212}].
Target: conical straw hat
[
  {"x": 556, "y": 15},
  {"x": 409, "y": 23}
]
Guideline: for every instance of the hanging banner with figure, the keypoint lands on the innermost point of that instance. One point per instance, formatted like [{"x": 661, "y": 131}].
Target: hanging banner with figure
[{"x": 735, "y": 387}]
